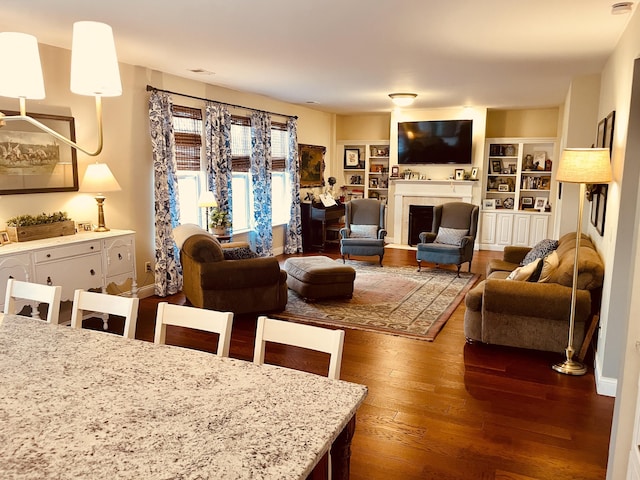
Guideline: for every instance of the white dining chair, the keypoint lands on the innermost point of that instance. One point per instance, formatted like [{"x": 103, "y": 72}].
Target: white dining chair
[
  {"x": 300, "y": 335},
  {"x": 36, "y": 293},
  {"x": 195, "y": 318},
  {"x": 104, "y": 303}
]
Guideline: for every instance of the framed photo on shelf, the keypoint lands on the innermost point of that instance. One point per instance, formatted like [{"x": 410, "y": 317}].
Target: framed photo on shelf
[
  {"x": 4, "y": 237},
  {"x": 498, "y": 203},
  {"x": 33, "y": 161},
  {"x": 459, "y": 174},
  {"x": 373, "y": 183},
  {"x": 496, "y": 165},
  {"x": 503, "y": 187},
  {"x": 352, "y": 158},
  {"x": 489, "y": 204},
  {"x": 541, "y": 203},
  {"x": 395, "y": 171},
  {"x": 526, "y": 202},
  {"x": 474, "y": 173}
]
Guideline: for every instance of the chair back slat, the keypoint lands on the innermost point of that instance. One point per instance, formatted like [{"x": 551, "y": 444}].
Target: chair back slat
[
  {"x": 34, "y": 292},
  {"x": 196, "y": 318},
  {"x": 126, "y": 307},
  {"x": 300, "y": 335}
]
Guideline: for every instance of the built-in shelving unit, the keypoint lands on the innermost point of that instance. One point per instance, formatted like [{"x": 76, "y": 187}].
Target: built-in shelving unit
[
  {"x": 518, "y": 191},
  {"x": 365, "y": 169}
]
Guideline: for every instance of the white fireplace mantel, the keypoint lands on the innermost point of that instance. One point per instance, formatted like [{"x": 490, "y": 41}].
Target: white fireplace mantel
[{"x": 424, "y": 192}]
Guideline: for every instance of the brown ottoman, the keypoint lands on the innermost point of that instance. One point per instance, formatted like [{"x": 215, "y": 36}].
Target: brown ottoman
[{"x": 319, "y": 277}]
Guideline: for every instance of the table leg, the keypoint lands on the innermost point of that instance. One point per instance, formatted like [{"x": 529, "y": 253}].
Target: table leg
[{"x": 341, "y": 452}]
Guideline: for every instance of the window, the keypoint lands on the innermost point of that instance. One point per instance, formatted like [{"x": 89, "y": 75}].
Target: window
[{"x": 188, "y": 128}]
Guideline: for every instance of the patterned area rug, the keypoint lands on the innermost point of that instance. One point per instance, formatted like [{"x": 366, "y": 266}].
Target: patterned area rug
[{"x": 395, "y": 300}]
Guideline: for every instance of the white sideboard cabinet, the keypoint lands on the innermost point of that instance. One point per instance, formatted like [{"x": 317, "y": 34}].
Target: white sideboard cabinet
[{"x": 87, "y": 260}]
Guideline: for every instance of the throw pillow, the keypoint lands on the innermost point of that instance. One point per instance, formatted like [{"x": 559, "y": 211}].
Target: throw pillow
[
  {"x": 238, "y": 253},
  {"x": 539, "y": 250},
  {"x": 522, "y": 274},
  {"x": 550, "y": 264},
  {"x": 450, "y": 236},
  {"x": 363, "y": 231}
]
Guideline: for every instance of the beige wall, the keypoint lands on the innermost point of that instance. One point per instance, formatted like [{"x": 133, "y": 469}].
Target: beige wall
[
  {"x": 363, "y": 127},
  {"x": 532, "y": 123},
  {"x": 127, "y": 147}
]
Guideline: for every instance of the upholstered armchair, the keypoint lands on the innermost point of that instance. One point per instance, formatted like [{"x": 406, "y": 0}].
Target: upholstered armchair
[
  {"x": 228, "y": 277},
  {"x": 364, "y": 228},
  {"x": 453, "y": 235}
]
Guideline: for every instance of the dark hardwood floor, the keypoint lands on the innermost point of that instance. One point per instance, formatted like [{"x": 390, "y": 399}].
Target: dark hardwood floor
[{"x": 447, "y": 410}]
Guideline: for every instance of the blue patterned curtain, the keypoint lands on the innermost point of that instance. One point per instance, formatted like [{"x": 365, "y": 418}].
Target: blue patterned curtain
[
  {"x": 293, "y": 237},
  {"x": 168, "y": 271},
  {"x": 261, "y": 236},
  {"x": 218, "y": 154}
]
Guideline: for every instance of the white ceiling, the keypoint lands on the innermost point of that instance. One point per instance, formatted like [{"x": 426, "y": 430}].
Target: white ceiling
[{"x": 348, "y": 55}]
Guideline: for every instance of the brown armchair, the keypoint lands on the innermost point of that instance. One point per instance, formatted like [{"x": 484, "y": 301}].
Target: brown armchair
[{"x": 247, "y": 284}]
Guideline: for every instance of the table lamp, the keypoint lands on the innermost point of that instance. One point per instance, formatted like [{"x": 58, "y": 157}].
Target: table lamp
[
  {"x": 580, "y": 165},
  {"x": 99, "y": 179},
  {"x": 207, "y": 200}
]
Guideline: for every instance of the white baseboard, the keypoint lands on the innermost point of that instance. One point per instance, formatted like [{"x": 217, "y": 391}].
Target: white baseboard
[
  {"x": 606, "y": 386},
  {"x": 146, "y": 291}
]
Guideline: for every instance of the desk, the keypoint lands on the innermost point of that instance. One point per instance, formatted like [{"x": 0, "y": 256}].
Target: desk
[
  {"x": 88, "y": 404},
  {"x": 315, "y": 218}
]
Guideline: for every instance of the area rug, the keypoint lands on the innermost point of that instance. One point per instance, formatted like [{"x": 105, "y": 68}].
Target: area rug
[{"x": 395, "y": 300}]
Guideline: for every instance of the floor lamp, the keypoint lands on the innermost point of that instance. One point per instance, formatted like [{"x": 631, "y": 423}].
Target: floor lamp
[
  {"x": 207, "y": 200},
  {"x": 580, "y": 165}
]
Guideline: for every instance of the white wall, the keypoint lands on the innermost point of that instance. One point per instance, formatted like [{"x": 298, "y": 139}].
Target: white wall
[{"x": 127, "y": 146}]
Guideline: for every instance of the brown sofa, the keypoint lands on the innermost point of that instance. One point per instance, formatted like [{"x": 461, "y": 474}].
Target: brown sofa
[
  {"x": 535, "y": 315},
  {"x": 242, "y": 285}
]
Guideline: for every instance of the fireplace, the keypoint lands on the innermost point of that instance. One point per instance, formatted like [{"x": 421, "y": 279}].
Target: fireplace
[{"x": 420, "y": 220}]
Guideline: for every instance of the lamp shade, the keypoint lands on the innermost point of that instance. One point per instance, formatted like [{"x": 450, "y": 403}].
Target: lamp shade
[
  {"x": 403, "y": 99},
  {"x": 99, "y": 179},
  {"x": 22, "y": 72},
  {"x": 207, "y": 199},
  {"x": 585, "y": 165},
  {"x": 94, "y": 63}
]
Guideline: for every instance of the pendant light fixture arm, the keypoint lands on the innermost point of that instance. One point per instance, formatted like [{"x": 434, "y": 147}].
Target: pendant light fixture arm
[{"x": 24, "y": 117}]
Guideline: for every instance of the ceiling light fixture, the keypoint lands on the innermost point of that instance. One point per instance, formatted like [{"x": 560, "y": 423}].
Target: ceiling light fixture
[
  {"x": 403, "y": 99},
  {"x": 94, "y": 72},
  {"x": 621, "y": 8}
]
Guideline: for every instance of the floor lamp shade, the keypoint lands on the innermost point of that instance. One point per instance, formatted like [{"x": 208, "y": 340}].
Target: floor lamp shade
[
  {"x": 580, "y": 165},
  {"x": 98, "y": 179}
]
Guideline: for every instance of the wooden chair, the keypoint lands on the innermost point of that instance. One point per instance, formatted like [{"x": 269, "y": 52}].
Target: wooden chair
[
  {"x": 126, "y": 307},
  {"x": 299, "y": 335},
  {"x": 37, "y": 293},
  {"x": 196, "y": 318}
]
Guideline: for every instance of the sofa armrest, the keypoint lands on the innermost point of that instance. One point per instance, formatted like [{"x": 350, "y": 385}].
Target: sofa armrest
[
  {"x": 513, "y": 254},
  {"x": 427, "y": 237},
  {"x": 532, "y": 299},
  {"x": 247, "y": 273}
]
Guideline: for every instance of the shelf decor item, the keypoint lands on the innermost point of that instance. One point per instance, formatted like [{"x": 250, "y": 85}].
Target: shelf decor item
[
  {"x": 580, "y": 165},
  {"x": 352, "y": 158}
]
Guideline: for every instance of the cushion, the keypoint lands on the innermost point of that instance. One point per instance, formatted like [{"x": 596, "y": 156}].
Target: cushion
[
  {"x": 450, "y": 236},
  {"x": 238, "y": 253},
  {"x": 363, "y": 231},
  {"x": 550, "y": 264},
  {"x": 539, "y": 250},
  {"x": 522, "y": 274}
]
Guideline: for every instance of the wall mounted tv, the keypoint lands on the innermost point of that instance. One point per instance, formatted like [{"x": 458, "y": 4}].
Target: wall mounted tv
[{"x": 434, "y": 142}]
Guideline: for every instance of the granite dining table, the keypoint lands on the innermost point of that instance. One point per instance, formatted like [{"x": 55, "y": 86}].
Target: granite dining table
[{"x": 84, "y": 404}]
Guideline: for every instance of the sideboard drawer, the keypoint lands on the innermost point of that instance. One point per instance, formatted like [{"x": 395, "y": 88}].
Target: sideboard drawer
[
  {"x": 83, "y": 272},
  {"x": 67, "y": 251}
]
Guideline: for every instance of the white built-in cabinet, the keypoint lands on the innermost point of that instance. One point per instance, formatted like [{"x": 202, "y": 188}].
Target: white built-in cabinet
[
  {"x": 87, "y": 260},
  {"x": 518, "y": 191}
]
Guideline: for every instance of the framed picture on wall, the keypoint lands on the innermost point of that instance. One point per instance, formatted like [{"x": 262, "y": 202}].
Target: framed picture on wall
[
  {"x": 33, "y": 162},
  {"x": 311, "y": 165},
  {"x": 608, "y": 131},
  {"x": 602, "y": 124},
  {"x": 352, "y": 158}
]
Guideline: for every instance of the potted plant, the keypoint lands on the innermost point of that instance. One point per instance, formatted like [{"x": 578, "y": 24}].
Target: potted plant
[
  {"x": 44, "y": 225},
  {"x": 219, "y": 221}
]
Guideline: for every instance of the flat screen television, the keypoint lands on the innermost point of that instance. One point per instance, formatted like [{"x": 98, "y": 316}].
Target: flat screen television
[{"x": 434, "y": 142}]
